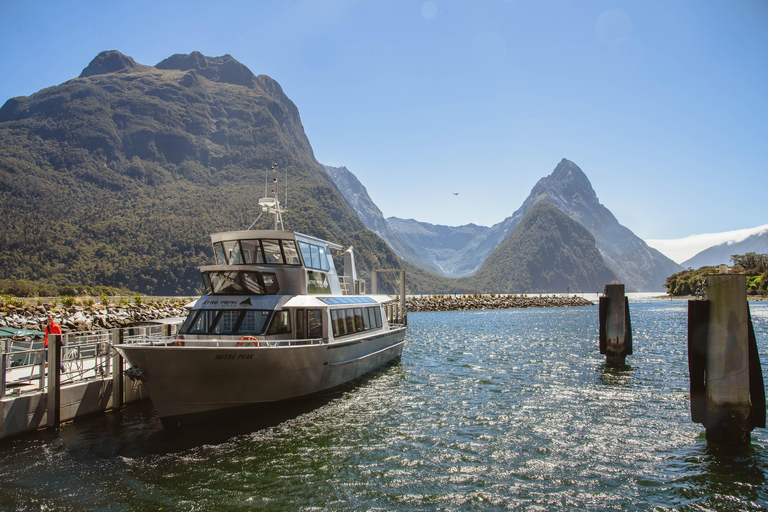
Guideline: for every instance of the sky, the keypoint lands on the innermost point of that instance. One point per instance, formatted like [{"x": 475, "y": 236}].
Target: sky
[{"x": 663, "y": 105}]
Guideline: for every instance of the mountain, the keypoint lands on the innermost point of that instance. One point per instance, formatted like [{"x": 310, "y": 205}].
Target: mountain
[
  {"x": 547, "y": 252},
  {"x": 460, "y": 251},
  {"x": 638, "y": 266},
  {"x": 684, "y": 249},
  {"x": 357, "y": 196},
  {"x": 721, "y": 253},
  {"x": 117, "y": 177}
]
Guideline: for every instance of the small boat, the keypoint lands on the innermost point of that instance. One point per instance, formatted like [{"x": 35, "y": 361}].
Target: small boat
[{"x": 276, "y": 323}]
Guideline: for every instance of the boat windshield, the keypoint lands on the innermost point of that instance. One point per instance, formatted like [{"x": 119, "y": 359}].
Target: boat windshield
[
  {"x": 249, "y": 252},
  {"x": 239, "y": 282},
  {"x": 214, "y": 321}
]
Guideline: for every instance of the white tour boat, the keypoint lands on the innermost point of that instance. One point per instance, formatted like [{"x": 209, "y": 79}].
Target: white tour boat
[{"x": 276, "y": 323}]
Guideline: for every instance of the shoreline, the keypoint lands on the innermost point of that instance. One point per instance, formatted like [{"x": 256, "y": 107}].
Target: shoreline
[
  {"x": 86, "y": 318},
  {"x": 471, "y": 303}
]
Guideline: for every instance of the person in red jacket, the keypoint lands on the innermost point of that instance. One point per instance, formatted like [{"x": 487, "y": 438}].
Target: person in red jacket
[{"x": 51, "y": 328}]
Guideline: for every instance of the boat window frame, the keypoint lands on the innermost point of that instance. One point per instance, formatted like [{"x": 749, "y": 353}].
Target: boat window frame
[
  {"x": 346, "y": 321},
  {"x": 256, "y": 249},
  {"x": 267, "y": 282},
  {"x": 272, "y": 254},
  {"x": 218, "y": 314},
  {"x": 315, "y": 256},
  {"x": 218, "y": 253},
  {"x": 274, "y": 328}
]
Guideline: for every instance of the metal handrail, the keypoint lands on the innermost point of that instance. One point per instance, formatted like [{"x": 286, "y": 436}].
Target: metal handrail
[{"x": 165, "y": 341}]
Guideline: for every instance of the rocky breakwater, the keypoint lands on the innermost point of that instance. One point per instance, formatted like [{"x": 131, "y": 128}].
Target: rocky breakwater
[
  {"x": 462, "y": 303},
  {"x": 86, "y": 318}
]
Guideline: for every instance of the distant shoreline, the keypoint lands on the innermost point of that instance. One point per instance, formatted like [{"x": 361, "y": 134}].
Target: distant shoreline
[
  {"x": 692, "y": 297},
  {"x": 470, "y": 303}
]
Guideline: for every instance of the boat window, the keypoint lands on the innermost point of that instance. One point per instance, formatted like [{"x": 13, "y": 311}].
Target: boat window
[
  {"x": 339, "y": 327},
  {"x": 352, "y": 320},
  {"x": 240, "y": 282},
  {"x": 270, "y": 283},
  {"x": 218, "y": 251},
  {"x": 252, "y": 284},
  {"x": 359, "y": 325},
  {"x": 232, "y": 251},
  {"x": 304, "y": 246},
  {"x": 227, "y": 322},
  {"x": 202, "y": 321},
  {"x": 225, "y": 282},
  {"x": 280, "y": 324},
  {"x": 253, "y": 322},
  {"x": 272, "y": 251},
  {"x": 315, "y": 323},
  {"x": 252, "y": 251},
  {"x": 314, "y": 256},
  {"x": 301, "y": 330},
  {"x": 323, "y": 259},
  {"x": 291, "y": 253}
]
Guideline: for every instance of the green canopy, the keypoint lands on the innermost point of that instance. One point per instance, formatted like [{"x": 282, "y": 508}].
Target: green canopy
[{"x": 10, "y": 331}]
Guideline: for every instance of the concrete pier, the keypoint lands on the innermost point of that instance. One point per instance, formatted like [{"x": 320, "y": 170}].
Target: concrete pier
[
  {"x": 727, "y": 391},
  {"x": 92, "y": 381},
  {"x": 615, "y": 325}
]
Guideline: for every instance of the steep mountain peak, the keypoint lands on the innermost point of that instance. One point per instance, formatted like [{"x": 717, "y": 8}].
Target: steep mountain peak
[
  {"x": 111, "y": 61},
  {"x": 567, "y": 183},
  {"x": 223, "y": 69}
]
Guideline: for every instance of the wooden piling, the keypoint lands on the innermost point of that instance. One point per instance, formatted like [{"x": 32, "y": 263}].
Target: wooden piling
[
  {"x": 54, "y": 380},
  {"x": 118, "y": 396},
  {"x": 727, "y": 392},
  {"x": 615, "y": 325}
]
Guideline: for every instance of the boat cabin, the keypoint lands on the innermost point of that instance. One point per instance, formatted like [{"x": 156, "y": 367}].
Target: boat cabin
[{"x": 273, "y": 263}]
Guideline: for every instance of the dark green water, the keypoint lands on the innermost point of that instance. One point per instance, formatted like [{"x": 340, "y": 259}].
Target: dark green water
[{"x": 488, "y": 410}]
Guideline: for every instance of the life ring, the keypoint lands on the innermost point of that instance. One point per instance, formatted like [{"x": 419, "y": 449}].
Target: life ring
[
  {"x": 178, "y": 343},
  {"x": 252, "y": 339}
]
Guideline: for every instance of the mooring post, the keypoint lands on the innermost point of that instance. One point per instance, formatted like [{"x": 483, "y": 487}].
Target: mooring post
[
  {"x": 118, "y": 397},
  {"x": 54, "y": 380},
  {"x": 726, "y": 382},
  {"x": 615, "y": 325}
]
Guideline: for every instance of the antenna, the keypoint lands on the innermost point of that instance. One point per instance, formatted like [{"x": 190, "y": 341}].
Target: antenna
[{"x": 270, "y": 203}]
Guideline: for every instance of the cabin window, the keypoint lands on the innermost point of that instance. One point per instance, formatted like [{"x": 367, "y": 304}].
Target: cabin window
[
  {"x": 314, "y": 256},
  {"x": 359, "y": 325},
  {"x": 352, "y": 320},
  {"x": 202, "y": 322},
  {"x": 211, "y": 321},
  {"x": 240, "y": 282},
  {"x": 270, "y": 283},
  {"x": 232, "y": 251},
  {"x": 290, "y": 252},
  {"x": 253, "y": 322},
  {"x": 280, "y": 324},
  {"x": 218, "y": 251},
  {"x": 252, "y": 251},
  {"x": 309, "y": 323},
  {"x": 225, "y": 282},
  {"x": 272, "y": 252},
  {"x": 315, "y": 323},
  {"x": 226, "y": 323}
]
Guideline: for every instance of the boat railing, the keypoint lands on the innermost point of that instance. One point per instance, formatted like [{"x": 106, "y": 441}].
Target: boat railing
[
  {"x": 84, "y": 356},
  {"x": 166, "y": 341},
  {"x": 347, "y": 285}
]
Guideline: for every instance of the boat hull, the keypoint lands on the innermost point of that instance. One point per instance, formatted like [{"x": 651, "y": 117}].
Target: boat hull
[{"x": 184, "y": 382}]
